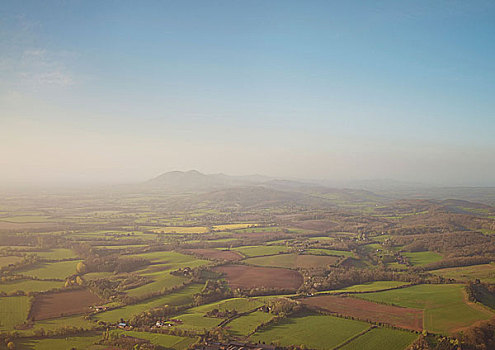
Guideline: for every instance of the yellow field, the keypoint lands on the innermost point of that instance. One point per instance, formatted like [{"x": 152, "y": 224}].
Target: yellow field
[{"x": 200, "y": 229}]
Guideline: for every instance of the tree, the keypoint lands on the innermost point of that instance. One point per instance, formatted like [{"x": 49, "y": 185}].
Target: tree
[
  {"x": 81, "y": 268},
  {"x": 10, "y": 345}
]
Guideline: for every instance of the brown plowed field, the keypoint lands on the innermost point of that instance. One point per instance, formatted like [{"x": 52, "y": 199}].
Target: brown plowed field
[
  {"x": 62, "y": 304},
  {"x": 246, "y": 277},
  {"x": 217, "y": 254},
  {"x": 366, "y": 310}
]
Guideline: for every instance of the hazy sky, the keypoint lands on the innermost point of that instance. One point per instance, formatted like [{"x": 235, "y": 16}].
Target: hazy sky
[{"x": 122, "y": 91}]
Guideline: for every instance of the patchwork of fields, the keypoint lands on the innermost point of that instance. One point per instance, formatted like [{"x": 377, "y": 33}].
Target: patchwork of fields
[
  {"x": 284, "y": 276},
  {"x": 445, "y": 307}
]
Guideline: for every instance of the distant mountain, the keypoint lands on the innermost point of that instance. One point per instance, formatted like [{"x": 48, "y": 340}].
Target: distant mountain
[
  {"x": 194, "y": 181},
  {"x": 253, "y": 190}
]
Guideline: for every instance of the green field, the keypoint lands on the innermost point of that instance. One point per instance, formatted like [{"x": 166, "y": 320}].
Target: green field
[
  {"x": 161, "y": 279},
  {"x": 445, "y": 309},
  {"x": 57, "y": 254},
  {"x": 67, "y": 342},
  {"x": 28, "y": 285},
  {"x": 194, "y": 318},
  {"x": 52, "y": 270},
  {"x": 259, "y": 250},
  {"x": 245, "y": 325},
  {"x": 25, "y": 218},
  {"x": 61, "y": 322},
  {"x": 422, "y": 258},
  {"x": 165, "y": 340},
  {"x": 293, "y": 261},
  {"x": 382, "y": 339},
  {"x": 370, "y": 286},
  {"x": 11, "y": 259},
  {"x": 314, "y": 331},
  {"x": 320, "y": 251},
  {"x": 171, "y": 260},
  {"x": 181, "y": 297},
  {"x": 483, "y": 272},
  {"x": 13, "y": 311}
]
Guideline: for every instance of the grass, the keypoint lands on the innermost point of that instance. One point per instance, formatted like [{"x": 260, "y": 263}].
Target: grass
[
  {"x": 171, "y": 260},
  {"x": 57, "y": 254},
  {"x": 194, "y": 318},
  {"x": 232, "y": 227},
  {"x": 29, "y": 286},
  {"x": 7, "y": 260},
  {"x": 13, "y": 311},
  {"x": 66, "y": 342},
  {"x": 181, "y": 229},
  {"x": 53, "y": 270},
  {"x": 245, "y": 325},
  {"x": 314, "y": 331},
  {"x": 422, "y": 258},
  {"x": 165, "y": 340},
  {"x": 320, "y": 251},
  {"x": 26, "y": 218},
  {"x": 161, "y": 280},
  {"x": 182, "y": 297},
  {"x": 370, "y": 286},
  {"x": 382, "y": 339},
  {"x": 293, "y": 261},
  {"x": 322, "y": 238},
  {"x": 58, "y": 323},
  {"x": 259, "y": 250},
  {"x": 483, "y": 272},
  {"x": 444, "y": 305}
]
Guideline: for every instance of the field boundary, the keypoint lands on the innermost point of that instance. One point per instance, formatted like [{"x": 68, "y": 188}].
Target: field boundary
[{"x": 354, "y": 337}]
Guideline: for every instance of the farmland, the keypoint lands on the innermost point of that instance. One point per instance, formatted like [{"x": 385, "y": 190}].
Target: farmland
[
  {"x": 370, "y": 286},
  {"x": 77, "y": 342},
  {"x": 352, "y": 275},
  {"x": 484, "y": 272},
  {"x": 7, "y": 260},
  {"x": 52, "y": 270},
  {"x": 293, "y": 261},
  {"x": 13, "y": 311},
  {"x": 27, "y": 285},
  {"x": 63, "y": 304},
  {"x": 216, "y": 254},
  {"x": 422, "y": 258},
  {"x": 181, "y": 297},
  {"x": 165, "y": 340},
  {"x": 240, "y": 276},
  {"x": 445, "y": 308},
  {"x": 381, "y": 338},
  {"x": 317, "y": 332},
  {"x": 251, "y": 251},
  {"x": 407, "y": 318}
]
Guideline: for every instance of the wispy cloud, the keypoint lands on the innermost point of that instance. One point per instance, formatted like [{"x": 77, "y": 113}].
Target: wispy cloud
[{"x": 27, "y": 65}]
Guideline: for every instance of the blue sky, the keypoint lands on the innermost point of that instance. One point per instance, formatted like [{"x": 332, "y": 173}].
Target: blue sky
[{"x": 121, "y": 91}]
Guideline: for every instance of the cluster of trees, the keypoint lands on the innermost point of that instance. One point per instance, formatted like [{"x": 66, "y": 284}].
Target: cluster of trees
[
  {"x": 213, "y": 290},
  {"x": 28, "y": 260},
  {"x": 216, "y": 313},
  {"x": 114, "y": 263},
  {"x": 456, "y": 244},
  {"x": 457, "y": 262},
  {"x": 481, "y": 292},
  {"x": 149, "y": 317},
  {"x": 341, "y": 277},
  {"x": 283, "y": 307},
  {"x": 480, "y": 336}
]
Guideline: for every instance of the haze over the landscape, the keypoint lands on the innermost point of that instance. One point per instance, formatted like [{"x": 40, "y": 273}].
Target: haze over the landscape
[{"x": 122, "y": 91}]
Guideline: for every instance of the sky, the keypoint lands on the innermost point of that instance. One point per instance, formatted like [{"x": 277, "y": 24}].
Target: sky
[{"x": 121, "y": 91}]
